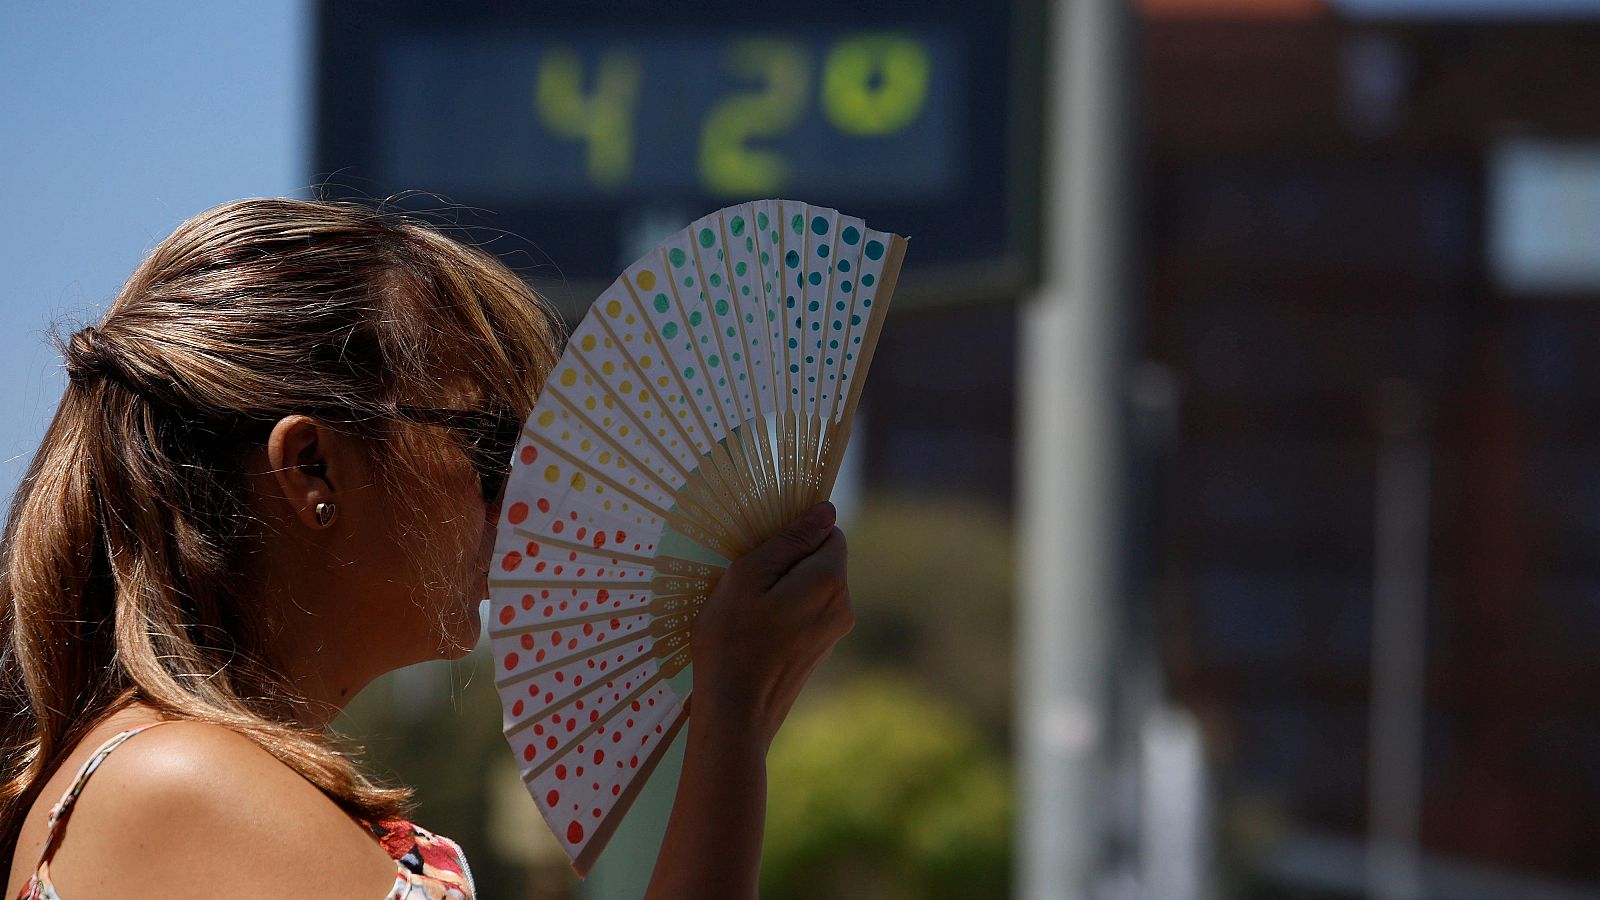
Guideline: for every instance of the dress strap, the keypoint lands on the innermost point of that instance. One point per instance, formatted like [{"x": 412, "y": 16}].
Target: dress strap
[{"x": 59, "y": 812}]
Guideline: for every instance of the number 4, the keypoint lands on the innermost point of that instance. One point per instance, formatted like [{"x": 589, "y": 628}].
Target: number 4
[{"x": 603, "y": 119}]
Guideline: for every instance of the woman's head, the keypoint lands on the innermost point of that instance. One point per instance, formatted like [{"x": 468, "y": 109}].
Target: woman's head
[{"x": 268, "y": 356}]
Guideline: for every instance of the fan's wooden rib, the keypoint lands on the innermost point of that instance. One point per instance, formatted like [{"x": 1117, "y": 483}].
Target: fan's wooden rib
[
  {"x": 631, "y": 559},
  {"x": 694, "y": 480},
  {"x": 827, "y": 469},
  {"x": 661, "y": 584},
  {"x": 764, "y": 474},
  {"x": 849, "y": 327},
  {"x": 669, "y": 571},
  {"x": 791, "y": 447},
  {"x": 826, "y": 313},
  {"x": 608, "y": 481},
  {"x": 743, "y": 464},
  {"x": 696, "y": 494},
  {"x": 779, "y": 346},
  {"x": 780, "y": 395},
  {"x": 559, "y": 584},
  {"x": 745, "y": 486},
  {"x": 810, "y": 398},
  {"x": 668, "y": 604},
  {"x": 681, "y": 523},
  {"x": 565, "y": 747},
  {"x": 802, "y": 425},
  {"x": 702, "y": 517},
  {"x": 671, "y": 627},
  {"x": 802, "y": 431},
  {"x": 553, "y": 624},
  {"x": 570, "y": 658},
  {"x": 659, "y": 606},
  {"x": 626, "y": 409},
  {"x": 764, "y": 449},
  {"x": 604, "y": 434},
  {"x": 599, "y": 684},
  {"x": 754, "y": 449},
  {"x": 722, "y": 490},
  {"x": 869, "y": 342},
  {"x": 725, "y": 461},
  {"x": 673, "y": 637},
  {"x": 827, "y": 383},
  {"x": 608, "y": 825},
  {"x": 633, "y": 363},
  {"x": 689, "y": 568},
  {"x": 693, "y": 578}
]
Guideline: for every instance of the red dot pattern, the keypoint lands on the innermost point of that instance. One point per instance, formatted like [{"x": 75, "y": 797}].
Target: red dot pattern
[
  {"x": 591, "y": 776},
  {"x": 545, "y": 509}
]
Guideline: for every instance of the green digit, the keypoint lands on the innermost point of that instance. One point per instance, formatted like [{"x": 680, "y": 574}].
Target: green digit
[
  {"x": 875, "y": 84},
  {"x": 602, "y": 119},
  {"x": 727, "y": 164}
]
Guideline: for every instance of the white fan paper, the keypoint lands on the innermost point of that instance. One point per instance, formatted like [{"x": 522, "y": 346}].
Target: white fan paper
[{"x": 709, "y": 393}]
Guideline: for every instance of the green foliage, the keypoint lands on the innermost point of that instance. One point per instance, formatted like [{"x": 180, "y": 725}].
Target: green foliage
[
  {"x": 879, "y": 790},
  {"x": 931, "y": 581}
]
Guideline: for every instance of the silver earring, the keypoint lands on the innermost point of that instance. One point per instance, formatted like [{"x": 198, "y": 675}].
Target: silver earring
[{"x": 326, "y": 512}]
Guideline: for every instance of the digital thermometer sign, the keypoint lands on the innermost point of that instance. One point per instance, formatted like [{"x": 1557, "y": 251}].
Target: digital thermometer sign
[
  {"x": 589, "y": 128},
  {"x": 582, "y": 117}
]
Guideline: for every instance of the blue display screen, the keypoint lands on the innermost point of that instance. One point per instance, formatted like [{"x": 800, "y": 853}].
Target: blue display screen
[
  {"x": 570, "y": 116},
  {"x": 589, "y": 130}
]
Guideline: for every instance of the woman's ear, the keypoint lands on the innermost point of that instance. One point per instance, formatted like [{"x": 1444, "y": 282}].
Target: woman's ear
[{"x": 300, "y": 458}]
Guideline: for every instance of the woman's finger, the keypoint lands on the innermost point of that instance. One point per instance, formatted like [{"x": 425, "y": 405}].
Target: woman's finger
[
  {"x": 824, "y": 572},
  {"x": 766, "y": 564}
]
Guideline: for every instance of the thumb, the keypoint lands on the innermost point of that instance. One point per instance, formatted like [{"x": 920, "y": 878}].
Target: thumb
[{"x": 798, "y": 540}]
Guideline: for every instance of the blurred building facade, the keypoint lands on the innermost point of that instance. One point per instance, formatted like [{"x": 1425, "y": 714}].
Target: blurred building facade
[{"x": 1328, "y": 206}]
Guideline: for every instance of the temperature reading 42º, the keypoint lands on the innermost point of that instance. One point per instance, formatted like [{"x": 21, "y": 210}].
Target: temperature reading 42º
[{"x": 770, "y": 106}]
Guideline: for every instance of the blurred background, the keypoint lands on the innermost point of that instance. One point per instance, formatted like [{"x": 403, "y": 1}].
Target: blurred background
[{"x": 1225, "y": 499}]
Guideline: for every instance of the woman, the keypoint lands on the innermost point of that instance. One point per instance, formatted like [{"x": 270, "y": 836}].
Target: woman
[{"x": 273, "y": 477}]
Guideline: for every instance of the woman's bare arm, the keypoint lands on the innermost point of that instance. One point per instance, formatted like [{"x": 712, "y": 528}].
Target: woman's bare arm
[
  {"x": 773, "y": 618},
  {"x": 713, "y": 843}
]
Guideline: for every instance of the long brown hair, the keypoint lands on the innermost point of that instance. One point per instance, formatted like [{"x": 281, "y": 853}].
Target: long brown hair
[{"x": 123, "y": 538}]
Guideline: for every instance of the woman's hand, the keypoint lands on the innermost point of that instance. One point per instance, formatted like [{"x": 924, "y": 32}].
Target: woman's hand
[{"x": 776, "y": 614}]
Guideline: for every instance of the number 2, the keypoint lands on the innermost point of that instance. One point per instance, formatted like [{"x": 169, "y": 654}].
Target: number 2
[{"x": 727, "y": 164}]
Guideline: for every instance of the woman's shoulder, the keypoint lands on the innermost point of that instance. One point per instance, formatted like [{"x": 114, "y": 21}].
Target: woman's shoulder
[
  {"x": 188, "y": 769},
  {"x": 212, "y": 814}
]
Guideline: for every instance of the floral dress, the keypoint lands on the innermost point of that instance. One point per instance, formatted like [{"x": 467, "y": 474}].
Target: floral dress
[{"x": 429, "y": 866}]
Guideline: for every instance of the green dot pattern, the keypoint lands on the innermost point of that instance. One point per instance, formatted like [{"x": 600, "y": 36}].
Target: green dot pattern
[{"x": 713, "y": 333}]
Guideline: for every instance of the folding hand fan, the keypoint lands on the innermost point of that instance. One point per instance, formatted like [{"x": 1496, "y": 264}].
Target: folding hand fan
[{"x": 709, "y": 393}]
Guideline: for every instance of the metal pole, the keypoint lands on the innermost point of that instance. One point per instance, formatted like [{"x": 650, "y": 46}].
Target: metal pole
[
  {"x": 1399, "y": 649},
  {"x": 1069, "y": 429}
]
